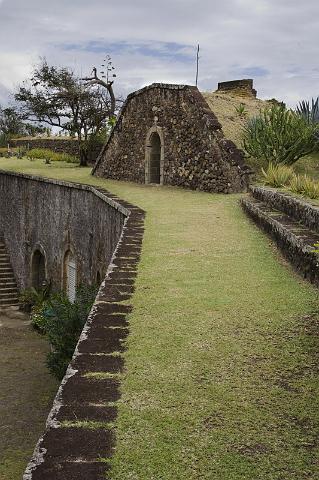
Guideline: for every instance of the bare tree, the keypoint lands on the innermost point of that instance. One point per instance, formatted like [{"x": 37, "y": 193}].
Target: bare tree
[{"x": 107, "y": 73}]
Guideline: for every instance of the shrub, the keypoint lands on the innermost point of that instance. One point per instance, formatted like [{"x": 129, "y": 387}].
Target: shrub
[
  {"x": 279, "y": 136},
  {"x": 64, "y": 322},
  {"x": 4, "y": 152},
  {"x": 277, "y": 175},
  {"x": 296, "y": 184},
  {"x": 31, "y": 297},
  {"x": 304, "y": 185},
  {"x": 241, "y": 110},
  {"x": 38, "y": 318},
  {"x": 51, "y": 156}
]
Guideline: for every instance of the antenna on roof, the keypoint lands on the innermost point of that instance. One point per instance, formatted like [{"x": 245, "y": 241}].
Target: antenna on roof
[{"x": 197, "y": 60}]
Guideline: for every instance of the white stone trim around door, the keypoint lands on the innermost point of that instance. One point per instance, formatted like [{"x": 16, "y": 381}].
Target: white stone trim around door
[{"x": 148, "y": 152}]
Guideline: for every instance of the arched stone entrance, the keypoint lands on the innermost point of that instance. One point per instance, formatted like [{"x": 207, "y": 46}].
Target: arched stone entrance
[
  {"x": 154, "y": 156},
  {"x": 38, "y": 270},
  {"x": 69, "y": 275}
]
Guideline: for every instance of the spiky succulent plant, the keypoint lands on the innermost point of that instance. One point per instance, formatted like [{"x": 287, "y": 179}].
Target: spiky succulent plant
[{"x": 310, "y": 112}]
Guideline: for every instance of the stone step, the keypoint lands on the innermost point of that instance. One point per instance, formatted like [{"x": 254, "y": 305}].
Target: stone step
[
  {"x": 295, "y": 240},
  {"x": 4, "y": 283},
  {"x": 6, "y": 268},
  {"x": 4, "y": 259},
  {"x": 10, "y": 296},
  {"x": 9, "y": 303},
  {"x": 6, "y": 288},
  {"x": 4, "y": 276},
  {"x": 8, "y": 291}
]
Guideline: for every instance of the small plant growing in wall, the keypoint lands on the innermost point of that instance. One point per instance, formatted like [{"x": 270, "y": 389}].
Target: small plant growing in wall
[{"x": 241, "y": 110}]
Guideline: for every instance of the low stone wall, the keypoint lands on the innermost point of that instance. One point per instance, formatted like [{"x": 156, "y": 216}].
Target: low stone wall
[
  {"x": 295, "y": 240},
  {"x": 55, "y": 217},
  {"x": 295, "y": 207},
  {"x": 104, "y": 233},
  {"x": 60, "y": 145},
  {"x": 79, "y": 435}
]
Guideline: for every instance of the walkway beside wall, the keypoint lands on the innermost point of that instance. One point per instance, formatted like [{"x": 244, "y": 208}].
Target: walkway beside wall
[
  {"x": 220, "y": 367},
  {"x": 26, "y": 393}
]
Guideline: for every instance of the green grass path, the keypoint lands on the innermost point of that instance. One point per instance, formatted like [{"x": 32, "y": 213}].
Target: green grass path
[{"x": 220, "y": 379}]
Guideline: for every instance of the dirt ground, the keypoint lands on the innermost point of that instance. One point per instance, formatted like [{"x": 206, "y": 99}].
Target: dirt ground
[{"x": 26, "y": 392}]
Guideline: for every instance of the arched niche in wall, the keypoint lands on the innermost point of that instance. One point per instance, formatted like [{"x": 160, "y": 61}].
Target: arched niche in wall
[
  {"x": 38, "y": 270},
  {"x": 69, "y": 275},
  {"x": 154, "y": 156}
]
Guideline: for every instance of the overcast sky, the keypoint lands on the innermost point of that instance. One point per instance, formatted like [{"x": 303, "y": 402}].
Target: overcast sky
[{"x": 275, "y": 42}]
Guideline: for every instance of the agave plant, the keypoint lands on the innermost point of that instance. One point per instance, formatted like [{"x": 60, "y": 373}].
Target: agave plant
[
  {"x": 279, "y": 135},
  {"x": 309, "y": 112}
]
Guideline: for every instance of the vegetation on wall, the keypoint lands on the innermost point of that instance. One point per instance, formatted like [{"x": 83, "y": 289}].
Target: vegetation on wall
[
  {"x": 50, "y": 156},
  {"x": 60, "y": 320}
]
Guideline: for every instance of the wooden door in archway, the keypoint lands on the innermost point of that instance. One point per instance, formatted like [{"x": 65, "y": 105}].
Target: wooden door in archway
[{"x": 155, "y": 159}]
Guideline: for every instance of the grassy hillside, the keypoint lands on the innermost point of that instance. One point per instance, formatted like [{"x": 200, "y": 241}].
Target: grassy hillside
[
  {"x": 224, "y": 106},
  {"x": 220, "y": 380}
]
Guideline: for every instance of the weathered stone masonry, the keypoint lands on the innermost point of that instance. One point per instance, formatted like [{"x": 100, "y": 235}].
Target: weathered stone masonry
[
  {"x": 239, "y": 87},
  {"x": 192, "y": 153},
  {"x": 292, "y": 222},
  {"x": 54, "y": 217},
  {"x": 70, "y": 448}
]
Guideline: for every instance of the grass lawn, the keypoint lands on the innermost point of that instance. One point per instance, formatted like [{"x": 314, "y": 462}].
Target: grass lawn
[{"x": 220, "y": 380}]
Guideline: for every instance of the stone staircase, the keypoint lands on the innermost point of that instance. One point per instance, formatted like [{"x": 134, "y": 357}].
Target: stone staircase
[
  {"x": 293, "y": 224},
  {"x": 8, "y": 287}
]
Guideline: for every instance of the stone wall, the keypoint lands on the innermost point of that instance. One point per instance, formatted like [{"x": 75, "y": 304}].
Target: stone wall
[
  {"x": 287, "y": 220},
  {"x": 54, "y": 217},
  {"x": 194, "y": 152},
  {"x": 294, "y": 207},
  {"x": 79, "y": 434},
  {"x": 238, "y": 87},
  {"x": 60, "y": 145}
]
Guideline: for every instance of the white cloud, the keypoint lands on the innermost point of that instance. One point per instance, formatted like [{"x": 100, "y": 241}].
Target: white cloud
[{"x": 277, "y": 38}]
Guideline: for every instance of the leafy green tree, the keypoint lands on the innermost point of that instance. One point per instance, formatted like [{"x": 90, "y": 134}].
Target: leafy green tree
[
  {"x": 57, "y": 97},
  {"x": 13, "y": 124}
]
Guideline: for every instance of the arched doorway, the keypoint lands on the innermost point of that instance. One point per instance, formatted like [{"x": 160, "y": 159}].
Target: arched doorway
[
  {"x": 154, "y": 156},
  {"x": 69, "y": 275},
  {"x": 38, "y": 270}
]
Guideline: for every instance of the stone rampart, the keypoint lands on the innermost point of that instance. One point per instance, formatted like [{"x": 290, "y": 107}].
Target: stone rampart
[
  {"x": 79, "y": 436},
  {"x": 242, "y": 87},
  {"x": 55, "y": 217}
]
